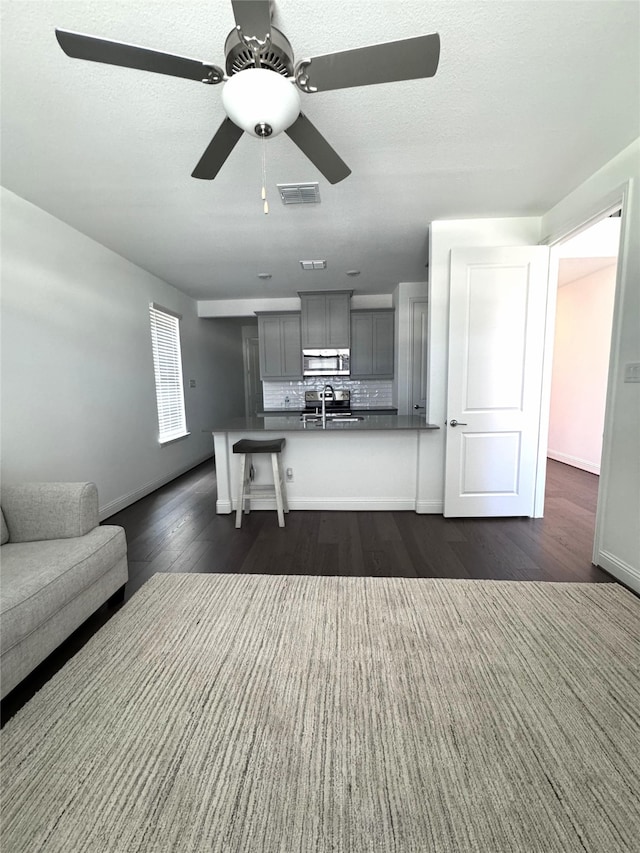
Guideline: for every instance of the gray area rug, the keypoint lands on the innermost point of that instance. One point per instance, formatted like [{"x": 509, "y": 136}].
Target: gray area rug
[{"x": 292, "y": 714}]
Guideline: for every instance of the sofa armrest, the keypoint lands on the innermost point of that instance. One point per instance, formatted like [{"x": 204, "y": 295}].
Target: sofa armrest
[{"x": 35, "y": 511}]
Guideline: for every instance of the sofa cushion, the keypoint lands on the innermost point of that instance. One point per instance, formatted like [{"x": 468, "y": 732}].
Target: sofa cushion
[
  {"x": 5, "y": 529},
  {"x": 37, "y": 579}
]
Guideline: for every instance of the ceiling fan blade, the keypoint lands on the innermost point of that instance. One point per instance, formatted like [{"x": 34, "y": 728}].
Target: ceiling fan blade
[
  {"x": 406, "y": 59},
  {"x": 218, "y": 150},
  {"x": 312, "y": 143},
  {"x": 253, "y": 17},
  {"x": 80, "y": 46}
]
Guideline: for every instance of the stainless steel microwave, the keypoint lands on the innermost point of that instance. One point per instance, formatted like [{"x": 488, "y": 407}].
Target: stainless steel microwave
[{"x": 325, "y": 362}]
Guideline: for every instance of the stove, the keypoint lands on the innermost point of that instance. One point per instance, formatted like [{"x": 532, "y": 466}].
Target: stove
[{"x": 338, "y": 403}]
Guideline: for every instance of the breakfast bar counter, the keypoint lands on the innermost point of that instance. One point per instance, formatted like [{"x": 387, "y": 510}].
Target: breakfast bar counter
[
  {"x": 293, "y": 423},
  {"x": 369, "y": 462}
]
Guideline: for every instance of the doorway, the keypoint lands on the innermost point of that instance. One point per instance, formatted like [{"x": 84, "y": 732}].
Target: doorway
[
  {"x": 419, "y": 319},
  {"x": 596, "y": 250},
  {"x": 586, "y": 284},
  {"x": 251, "y": 363}
]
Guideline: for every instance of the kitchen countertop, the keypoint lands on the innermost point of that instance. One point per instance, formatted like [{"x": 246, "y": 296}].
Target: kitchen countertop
[{"x": 293, "y": 423}]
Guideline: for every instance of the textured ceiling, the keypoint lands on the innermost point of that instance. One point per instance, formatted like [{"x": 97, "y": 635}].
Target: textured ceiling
[{"x": 530, "y": 99}]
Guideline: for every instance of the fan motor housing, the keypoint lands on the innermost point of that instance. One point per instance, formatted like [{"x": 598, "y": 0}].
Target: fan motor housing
[{"x": 277, "y": 56}]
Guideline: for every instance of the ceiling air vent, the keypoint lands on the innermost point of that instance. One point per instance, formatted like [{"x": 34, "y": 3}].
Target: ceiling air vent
[
  {"x": 299, "y": 193},
  {"x": 313, "y": 265}
]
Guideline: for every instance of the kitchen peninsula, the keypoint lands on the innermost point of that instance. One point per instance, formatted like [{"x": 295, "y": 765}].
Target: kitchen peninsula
[{"x": 375, "y": 462}]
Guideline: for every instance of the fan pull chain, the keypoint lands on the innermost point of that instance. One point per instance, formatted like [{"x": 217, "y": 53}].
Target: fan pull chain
[{"x": 264, "y": 175}]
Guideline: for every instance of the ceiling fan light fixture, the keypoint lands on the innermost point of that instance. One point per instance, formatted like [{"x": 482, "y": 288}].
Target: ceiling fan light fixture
[
  {"x": 256, "y": 98},
  {"x": 261, "y": 95}
]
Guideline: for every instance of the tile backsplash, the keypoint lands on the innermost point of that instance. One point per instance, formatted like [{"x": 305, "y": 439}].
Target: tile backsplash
[{"x": 365, "y": 393}]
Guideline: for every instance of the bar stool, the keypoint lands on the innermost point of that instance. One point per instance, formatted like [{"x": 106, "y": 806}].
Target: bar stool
[{"x": 246, "y": 447}]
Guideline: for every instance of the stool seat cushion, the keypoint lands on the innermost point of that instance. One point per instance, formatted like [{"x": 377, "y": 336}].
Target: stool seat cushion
[{"x": 249, "y": 445}]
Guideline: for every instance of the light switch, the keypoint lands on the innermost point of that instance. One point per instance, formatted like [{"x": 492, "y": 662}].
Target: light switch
[{"x": 632, "y": 371}]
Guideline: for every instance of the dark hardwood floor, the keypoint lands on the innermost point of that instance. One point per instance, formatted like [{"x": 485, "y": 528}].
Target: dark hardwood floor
[{"x": 175, "y": 529}]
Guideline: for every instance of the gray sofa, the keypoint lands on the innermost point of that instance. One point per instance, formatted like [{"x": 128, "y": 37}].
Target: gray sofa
[{"x": 57, "y": 566}]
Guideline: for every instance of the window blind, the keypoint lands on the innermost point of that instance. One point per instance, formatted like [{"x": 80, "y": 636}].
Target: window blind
[{"x": 167, "y": 366}]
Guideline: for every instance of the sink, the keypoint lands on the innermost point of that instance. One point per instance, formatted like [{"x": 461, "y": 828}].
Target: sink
[
  {"x": 331, "y": 416},
  {"x": 316, "y": 420}
]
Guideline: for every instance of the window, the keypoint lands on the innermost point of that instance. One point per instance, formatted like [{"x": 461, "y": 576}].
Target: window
[{"x": 167, "y": 366}]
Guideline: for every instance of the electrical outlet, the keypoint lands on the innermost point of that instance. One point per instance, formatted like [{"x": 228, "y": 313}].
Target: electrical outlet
[
  {"x": 192, "y": 383},
  {"x": 289, "y": 475},
  {"x": 632, "y": 372}
]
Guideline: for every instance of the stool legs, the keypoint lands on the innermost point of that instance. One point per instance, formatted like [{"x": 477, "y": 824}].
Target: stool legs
[
  {"x": 283, "y": 488},
  {"x": 243, "y": 486},
  {"x": 281, "y": 493},
  {"x": 245, "y": 489}
]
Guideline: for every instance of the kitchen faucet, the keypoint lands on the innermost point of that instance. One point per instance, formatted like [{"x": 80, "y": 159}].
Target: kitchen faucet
[{"x": 323, "y": 395}]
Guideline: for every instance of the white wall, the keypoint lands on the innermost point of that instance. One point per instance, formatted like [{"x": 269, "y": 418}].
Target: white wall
[
  {"x": 580, "y": 368},
  {"x": 618, "y": 543},
  {"x": 444, "y": 236},
  {"x": 78, "y": 397}
]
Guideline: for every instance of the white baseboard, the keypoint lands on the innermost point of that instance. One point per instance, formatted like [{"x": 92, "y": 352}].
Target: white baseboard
[
  {"x": 574, "y": 461},
  {"x": 328, "y": 504},
  {"x": 126, "y": 500},
  {"x": 354, "y": 504},
  {"x": 626, "y": 573},
  {"x": 430, "y": 507}
]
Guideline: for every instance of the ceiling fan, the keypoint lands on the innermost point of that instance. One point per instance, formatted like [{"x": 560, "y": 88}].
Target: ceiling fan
[{"x": 258, "y": 95}]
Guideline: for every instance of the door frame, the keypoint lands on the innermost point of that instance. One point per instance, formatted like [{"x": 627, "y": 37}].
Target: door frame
[{"x": 613, "y": 200}]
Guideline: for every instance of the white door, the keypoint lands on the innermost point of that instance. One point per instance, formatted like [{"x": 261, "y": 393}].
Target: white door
[{"x": 496, "y": 350}]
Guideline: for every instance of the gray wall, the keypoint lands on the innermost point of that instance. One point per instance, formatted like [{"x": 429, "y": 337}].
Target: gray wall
[
  {"x": 77, "y": 393},
  {"x": 226, "y": 372}
]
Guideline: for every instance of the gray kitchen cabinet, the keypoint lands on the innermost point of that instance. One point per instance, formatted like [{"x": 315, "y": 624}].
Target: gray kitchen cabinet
[
  {"x": 325, "y": 319},
  {"x": 372, "y": 344},
  {"x": 280, "y": 346}
]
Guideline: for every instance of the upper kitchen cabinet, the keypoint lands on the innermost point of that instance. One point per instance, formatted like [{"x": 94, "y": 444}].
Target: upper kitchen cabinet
[
  {"x": 280, "y": 346},
  {"x": 372, "y": 344},
  {"x": 325, "y": 319}
]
